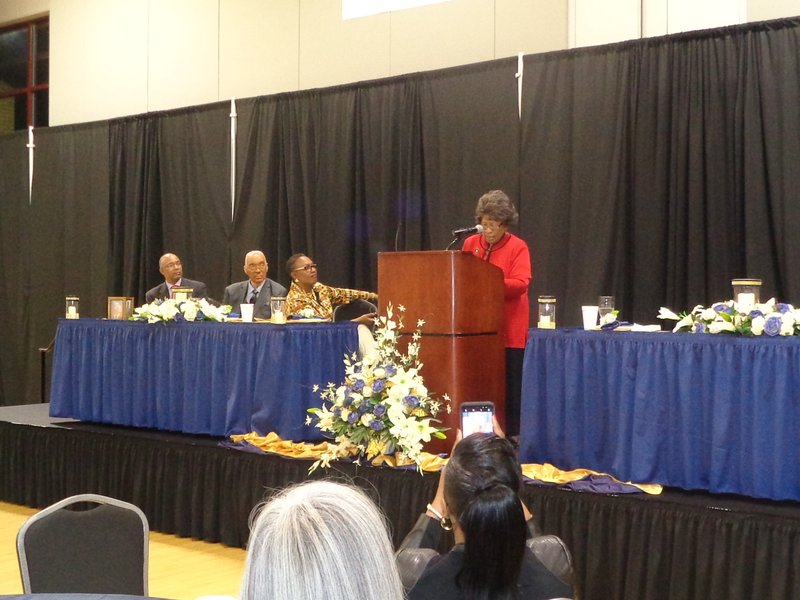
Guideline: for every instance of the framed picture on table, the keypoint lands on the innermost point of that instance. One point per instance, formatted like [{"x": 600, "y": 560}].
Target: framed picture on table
[
  {"x": 181, "y": 293},
  {"x": 120, "y": 308}
]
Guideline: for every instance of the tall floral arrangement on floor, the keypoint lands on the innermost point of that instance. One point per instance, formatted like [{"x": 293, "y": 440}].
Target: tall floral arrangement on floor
[
  {"x": 770, "y": 318},
  {"x": 382, "y": 406},
  {"x": 192, "y": 309}
]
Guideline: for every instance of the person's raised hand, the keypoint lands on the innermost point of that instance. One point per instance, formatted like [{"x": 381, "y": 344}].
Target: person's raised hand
[
  {"x": 496, "y": 427},
  {"x": 367, "y": 319}
]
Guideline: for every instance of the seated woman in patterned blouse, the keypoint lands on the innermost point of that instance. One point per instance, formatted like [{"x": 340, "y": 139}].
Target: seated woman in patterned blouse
[{"x": 308, "y": 295}]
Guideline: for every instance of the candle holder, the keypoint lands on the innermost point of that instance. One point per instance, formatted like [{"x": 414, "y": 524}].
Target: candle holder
[
  {"x": 277, "y": 304},
  {"x": 547, "y": 312},
  {"x": 746, "y": 292},
  {"x": 72, "y": 309}
]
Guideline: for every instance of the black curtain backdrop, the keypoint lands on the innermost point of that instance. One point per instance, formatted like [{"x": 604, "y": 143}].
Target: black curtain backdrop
[
  {"x": 194, "y": 169},
  {"x": 655, "y": 170},
  {"x": 659, "y": 170},
  {"x": 15, "y": 267},
  {"x": 68, "y": 233}
]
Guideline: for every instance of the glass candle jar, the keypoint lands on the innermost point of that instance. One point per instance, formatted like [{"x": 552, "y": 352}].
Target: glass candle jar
[
  {"x": 72, "y": 308},
  {"x": 746, "y": 292},
  {"x": 547, "y": 312}
]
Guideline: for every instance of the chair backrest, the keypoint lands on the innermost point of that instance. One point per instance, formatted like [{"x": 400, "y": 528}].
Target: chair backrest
[
  {"x": 351, "y": 310},
  {"x": 554, "y": 554},
  {"x": 102, "y": 550}
]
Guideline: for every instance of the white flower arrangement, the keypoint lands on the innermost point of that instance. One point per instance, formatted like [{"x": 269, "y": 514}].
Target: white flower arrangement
[
  {"x": 192, "y": 309},
  {"x": 383, "y": 406},
  {"x": 770, "y": 318}
]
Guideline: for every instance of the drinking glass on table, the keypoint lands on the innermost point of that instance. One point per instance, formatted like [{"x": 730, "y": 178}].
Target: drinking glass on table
[{"x": 605, "y": 304}]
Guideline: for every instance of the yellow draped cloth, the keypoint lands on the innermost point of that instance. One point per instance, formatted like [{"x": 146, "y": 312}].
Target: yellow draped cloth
[{"x": 428, "y": 462}]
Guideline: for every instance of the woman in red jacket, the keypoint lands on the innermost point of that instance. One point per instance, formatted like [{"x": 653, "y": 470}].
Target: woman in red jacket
[{"x": 495, "y": 212}]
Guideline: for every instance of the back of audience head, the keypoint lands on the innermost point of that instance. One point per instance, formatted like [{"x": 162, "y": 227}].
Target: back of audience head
[
  {"x": 320, "y": 539},
  {"x": 481, "y": 490}
]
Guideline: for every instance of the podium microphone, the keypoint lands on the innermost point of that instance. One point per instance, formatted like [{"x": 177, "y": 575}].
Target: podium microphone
[{"x": 466, "y": 230}]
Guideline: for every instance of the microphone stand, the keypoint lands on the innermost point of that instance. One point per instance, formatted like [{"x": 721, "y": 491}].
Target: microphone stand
[{"x": 450, "y": 245}]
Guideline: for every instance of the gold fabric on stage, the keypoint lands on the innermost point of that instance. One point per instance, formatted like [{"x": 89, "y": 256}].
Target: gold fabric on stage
[
  {"x": 429, "y": 462},
  {"x": 550, "y": 474}
]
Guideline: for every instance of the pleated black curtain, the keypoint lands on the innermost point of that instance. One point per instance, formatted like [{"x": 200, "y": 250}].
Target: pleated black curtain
[
  {"x": 68, "y": 232},
  {"x": 135, "y": 210},
  {"x": 195, "y": 198},
  {"x": 15, "y": 266},
  {"x": 470, "y": 142},
  {"x": 335, "y": 174},
  {"x": 655, "y": 170},
  {"x": 658, "y": 170}
]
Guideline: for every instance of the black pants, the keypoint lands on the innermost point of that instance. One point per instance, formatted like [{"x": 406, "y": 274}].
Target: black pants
[{"x": 514, "y": 358}]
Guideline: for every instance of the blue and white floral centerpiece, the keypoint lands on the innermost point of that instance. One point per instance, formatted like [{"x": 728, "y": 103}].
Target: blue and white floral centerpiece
[
  {"x": 770, "y": 318},
  {"x": 383, "y": 406},
  {"x": 191, "y": 309}
]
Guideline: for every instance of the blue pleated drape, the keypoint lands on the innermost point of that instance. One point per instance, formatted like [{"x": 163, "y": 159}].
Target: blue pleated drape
[
  {"x": 712, "y": 412},
  {"x": 205, "y": 378}
]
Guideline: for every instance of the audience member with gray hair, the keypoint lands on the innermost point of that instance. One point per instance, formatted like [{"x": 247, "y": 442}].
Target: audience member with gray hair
[{"x": 320, "y": 539}]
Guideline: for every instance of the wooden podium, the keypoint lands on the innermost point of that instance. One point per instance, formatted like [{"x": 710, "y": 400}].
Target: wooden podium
[{"x": 460, "y": 298}]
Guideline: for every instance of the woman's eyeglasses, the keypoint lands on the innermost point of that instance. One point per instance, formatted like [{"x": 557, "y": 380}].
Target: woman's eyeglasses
[{"x": 307, "y": 268}]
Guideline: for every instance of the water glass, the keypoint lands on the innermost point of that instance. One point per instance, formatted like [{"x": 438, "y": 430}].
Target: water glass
[{"x": 605, "y": 304}]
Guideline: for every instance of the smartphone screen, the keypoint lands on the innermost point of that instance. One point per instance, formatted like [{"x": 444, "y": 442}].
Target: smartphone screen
[{"x": 476, "y": 416}]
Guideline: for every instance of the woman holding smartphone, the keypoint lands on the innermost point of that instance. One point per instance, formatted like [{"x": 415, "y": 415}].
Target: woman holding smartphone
[{"x": 478, "y": 498}]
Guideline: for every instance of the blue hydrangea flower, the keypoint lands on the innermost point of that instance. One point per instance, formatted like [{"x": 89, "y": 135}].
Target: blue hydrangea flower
[
  {"x": 782, "y": 308},
  {"x": 376, "y": 425},
  {"x": 411, "y": 400},
  {"x": 337, "y": 411},
  {"x": 700, "y": 328},
  {"x": 348, "y": 400},
  {"x": 378, "y": 385},
  {"x": 391, "y": 370},
  {"x": 352, "y": 417},
  {"x": 772, "y": 325},
  {"x": 379, "y": 410},
  {"x": 755, "y": 313},
  {"x": 358, "y": 385}
]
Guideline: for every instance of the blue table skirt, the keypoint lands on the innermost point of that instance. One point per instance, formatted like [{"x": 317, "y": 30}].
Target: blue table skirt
[
  {"x": 207, "y": 378},
  {"x": 712, "y": 412}
]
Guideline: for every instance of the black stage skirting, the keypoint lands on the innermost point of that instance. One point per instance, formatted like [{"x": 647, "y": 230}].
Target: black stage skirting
[{"x": 677, "y": 545}]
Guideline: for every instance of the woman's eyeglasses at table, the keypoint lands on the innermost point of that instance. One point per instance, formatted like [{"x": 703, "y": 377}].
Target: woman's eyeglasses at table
[{"x": 307, "y": 268}]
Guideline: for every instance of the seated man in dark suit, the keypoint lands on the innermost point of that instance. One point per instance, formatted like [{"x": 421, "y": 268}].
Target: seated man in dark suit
[
  {"x": 257, "y": 289},
  {"x": 171, "y": 268}
]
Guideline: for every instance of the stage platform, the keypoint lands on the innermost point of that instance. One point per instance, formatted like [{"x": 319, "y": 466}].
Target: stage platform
[{"x": 680, "y": 544}]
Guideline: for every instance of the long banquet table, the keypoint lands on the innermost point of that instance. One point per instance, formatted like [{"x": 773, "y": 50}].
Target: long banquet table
[
  {"x": 204, "y": 378},
  {"x": 695, "y": 411}
]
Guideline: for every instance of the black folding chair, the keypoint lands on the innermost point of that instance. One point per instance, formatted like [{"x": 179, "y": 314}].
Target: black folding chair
[
  {"x": 352, "y": 310},
  {"x": 102, "y": 550}
]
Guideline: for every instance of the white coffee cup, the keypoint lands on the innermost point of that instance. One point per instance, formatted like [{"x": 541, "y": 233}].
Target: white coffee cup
[
  {"x": 247, "y": 312},
  {"x": 589, "y": 316}
]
